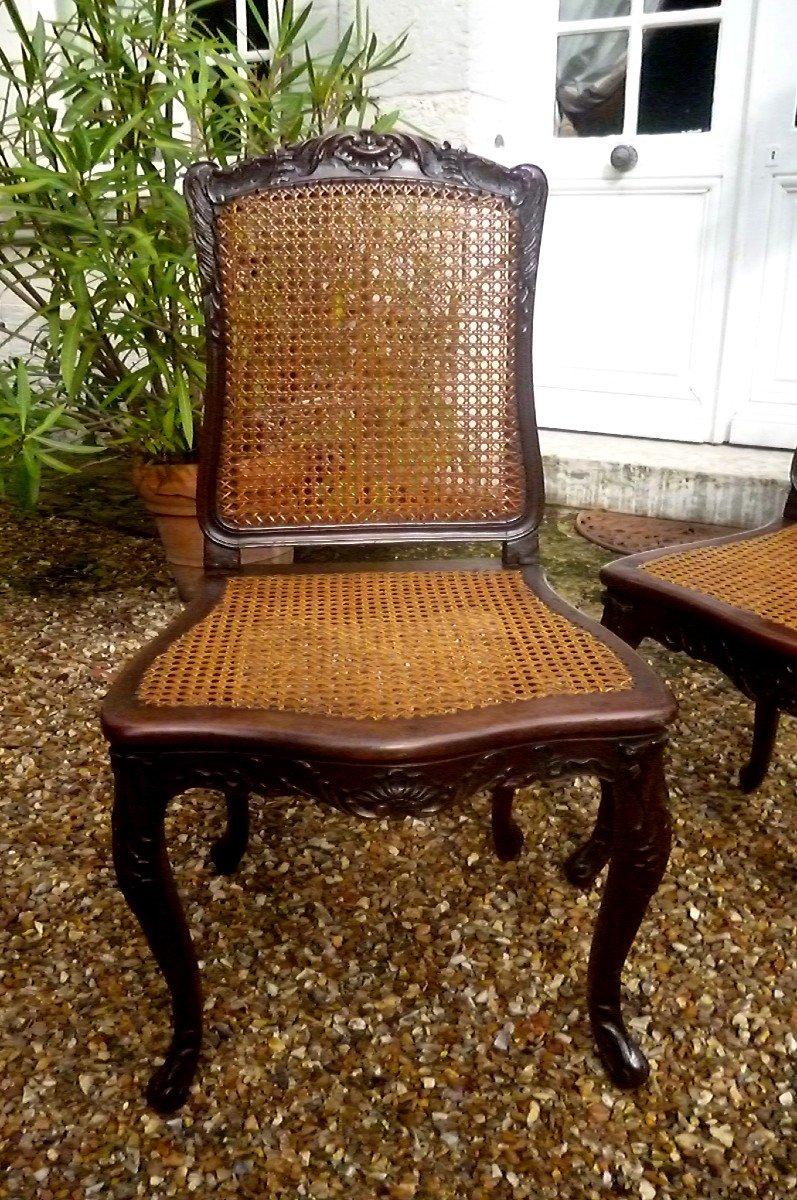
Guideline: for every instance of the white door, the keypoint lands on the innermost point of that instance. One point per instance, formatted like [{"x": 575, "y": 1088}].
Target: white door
[
  {"x": 758, "y": 394},
  {"x": 635, "y": 260}
]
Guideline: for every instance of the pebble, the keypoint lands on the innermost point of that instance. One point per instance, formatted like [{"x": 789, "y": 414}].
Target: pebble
[{"x": 391, "y": 1012}]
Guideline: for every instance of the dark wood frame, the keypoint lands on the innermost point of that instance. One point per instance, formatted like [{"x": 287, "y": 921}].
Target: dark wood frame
[
  {"x": 759, "y": 657},
  {"x": 396, "y": 768}
]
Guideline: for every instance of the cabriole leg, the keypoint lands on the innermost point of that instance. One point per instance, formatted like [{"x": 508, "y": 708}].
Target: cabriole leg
[
  {"x": 229, "y": 849},
  {"x": 620, "y": 618},
  {"x": 507, "y": 834},
  {"x": 586, "y": 863},
  {"x": 145, "y": 879},
  {"x": 640, "y": 849},
  {"x": 765, "y": 730}
]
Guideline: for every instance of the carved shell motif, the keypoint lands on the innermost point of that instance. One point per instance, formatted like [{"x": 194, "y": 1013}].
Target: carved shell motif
[
  {"x": 395, "y": 794},
  {"x": 368, "y": 152}
]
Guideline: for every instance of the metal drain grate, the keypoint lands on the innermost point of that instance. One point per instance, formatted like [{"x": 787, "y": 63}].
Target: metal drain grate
[{"x": 628, "y": 534}]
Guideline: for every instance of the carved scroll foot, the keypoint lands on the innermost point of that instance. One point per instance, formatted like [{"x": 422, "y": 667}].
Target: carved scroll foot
[
  {"x": 620, "y": 618},
  {"x": 765, "y": 730},
  {"x": 586, "y": 863},
  {"x": 507, "y": 834},
  {"x": 620, "y": 1054},
  {"x": 170, "y": 1084},
  {"x": 228, "y": 850},
  {"x": 145, "y": 879},
  {"x": 640, "y": 850}
]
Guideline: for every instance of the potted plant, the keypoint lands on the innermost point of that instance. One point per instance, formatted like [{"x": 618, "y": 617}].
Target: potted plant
[{"x": 102, "y": 113}]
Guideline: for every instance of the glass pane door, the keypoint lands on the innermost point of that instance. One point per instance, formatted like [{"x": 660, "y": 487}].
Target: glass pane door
[{"x": 635, "y": 66}]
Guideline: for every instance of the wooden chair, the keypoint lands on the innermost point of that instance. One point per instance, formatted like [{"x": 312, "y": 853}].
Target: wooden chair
[
  {"x": 368, "y": 302},
  {"x": 729, "y": 601}
]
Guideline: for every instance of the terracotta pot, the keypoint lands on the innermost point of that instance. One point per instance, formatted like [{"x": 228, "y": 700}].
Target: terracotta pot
[{"x": 168, "y": 491}]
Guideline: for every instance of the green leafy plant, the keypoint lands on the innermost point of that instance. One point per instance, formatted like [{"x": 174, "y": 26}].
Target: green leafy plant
[
  {"x": 102, "y": 112},
  {"x": 36, "y": 430}
]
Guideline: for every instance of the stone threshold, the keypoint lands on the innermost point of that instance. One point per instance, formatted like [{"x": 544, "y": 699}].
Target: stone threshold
[{"x": 722, "y": 485}]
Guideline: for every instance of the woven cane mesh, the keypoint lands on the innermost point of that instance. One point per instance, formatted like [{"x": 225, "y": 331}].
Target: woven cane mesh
[
  {"x": 759, "y": 575},
  {"x": 370, "y": 356},
  {"x": 380, "y": 645}
]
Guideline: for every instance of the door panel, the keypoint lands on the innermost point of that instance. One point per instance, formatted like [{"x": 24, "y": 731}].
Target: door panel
[
  {"x": 770, "y": 413},
  {"x": 758, "y": 403},
  {"x": 777, "y": 355},
  {"x": 627, "y": 307}
]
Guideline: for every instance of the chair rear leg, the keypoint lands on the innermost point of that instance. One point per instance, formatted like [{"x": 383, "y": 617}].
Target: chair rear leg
[
  {"x": 586, "y": 863},
  {"x": 228, "y": 850},
  {"x": 640, "y": 850},
  {"x": 507, "y": 834},
  {"x": 765, "y": 728},
  {"x": 145, "y": 879}
]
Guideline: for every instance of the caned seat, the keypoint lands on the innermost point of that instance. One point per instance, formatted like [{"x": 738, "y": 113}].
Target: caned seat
[
  {"x": 753, "y": 577},
  {"x": 729, "y": 601},
  {"x": 395, "y": 661},
  {"x": 377, "y": 646},
  {"x": 368, "y": 304}
]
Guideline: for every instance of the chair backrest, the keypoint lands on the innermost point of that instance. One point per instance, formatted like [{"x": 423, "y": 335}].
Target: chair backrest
[{"x": 368, "y": 301}]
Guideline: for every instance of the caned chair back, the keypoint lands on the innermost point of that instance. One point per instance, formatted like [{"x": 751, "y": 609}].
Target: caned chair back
[{"x": 368, "y": 302}]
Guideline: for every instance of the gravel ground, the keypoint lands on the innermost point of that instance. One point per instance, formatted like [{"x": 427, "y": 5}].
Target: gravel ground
[{"x": 390, "y": 1011}]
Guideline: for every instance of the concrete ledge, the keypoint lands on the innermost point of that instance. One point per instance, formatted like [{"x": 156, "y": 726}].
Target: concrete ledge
[{"x": 723, "y": 485}]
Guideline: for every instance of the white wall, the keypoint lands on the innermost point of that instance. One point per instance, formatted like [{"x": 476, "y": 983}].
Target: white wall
[{"x": 460, "y": 78}]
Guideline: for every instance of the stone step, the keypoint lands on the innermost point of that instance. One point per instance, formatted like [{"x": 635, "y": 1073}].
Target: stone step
[{"x": 723, "y": 485}]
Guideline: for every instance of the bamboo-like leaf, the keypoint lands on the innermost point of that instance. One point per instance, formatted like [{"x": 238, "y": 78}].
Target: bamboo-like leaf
[
  {"x": 56, "y": 464},
  {"x": 81, "y": 369},
  {"x": 298, "y": 25},
  {"x": 29, "y": 476},
  {"x": 185, "y": 410},
  {"x": 286, "y": 20},
  {"x": 171, "y": 144},
  {"x": 340, "y": 52},
  {"x": 78, "y": 287},
  {"x": 68, "y": 447},
  {"x": 128, "y": 387},
  {"x": 113, "y": 135},
  {"x": 22, "y": 394},
  {"x": 73, "y": 329},
  {"x": 391, "y": 55},
  {"x": 54, "y": 325},
  {"x": 386, "y": 121},
  {"x": 167, "y": 426},
  {"x": 37, "y": 41},
  {"x": 51, "y": 418},
  {"x": 311, "y": 72},
  {"x": 80, "y": 147},
  {"x": 23, "y": 187}
]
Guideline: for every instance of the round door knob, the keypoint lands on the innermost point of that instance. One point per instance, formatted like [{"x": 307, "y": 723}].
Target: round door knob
[{"x": 623, "y": 158}]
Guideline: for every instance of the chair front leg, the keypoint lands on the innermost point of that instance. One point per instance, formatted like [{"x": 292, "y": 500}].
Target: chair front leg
[
  {"x": 228, "y": 850},
  {"x": 507, "y": 834},
  {"x": 586, "y": 863},
  {"x": 145, "y": 879},
  {"x": 639, "y": 853},
  {"x": 765, "y": 728},
  {"x": 620, "y": 617}
]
